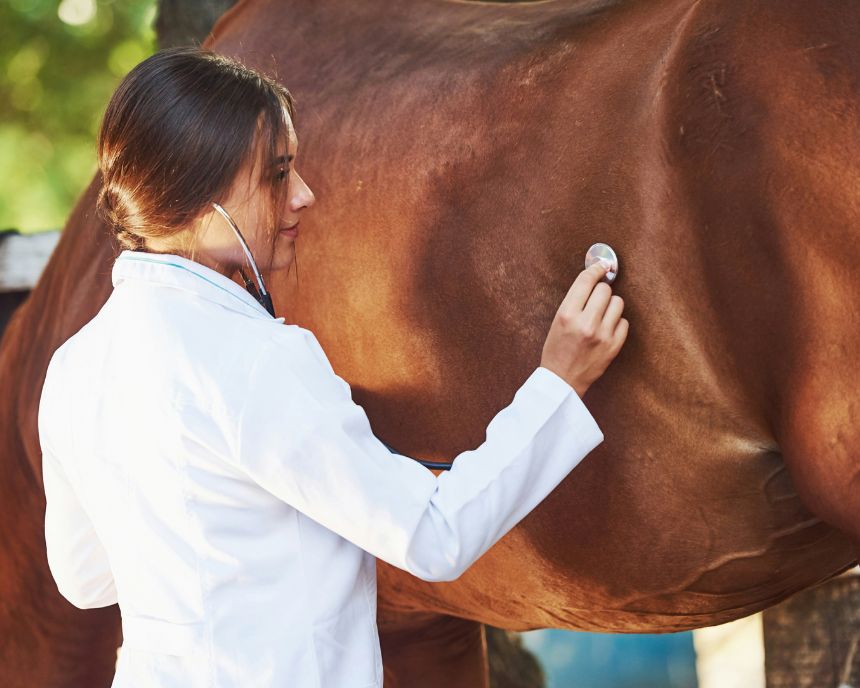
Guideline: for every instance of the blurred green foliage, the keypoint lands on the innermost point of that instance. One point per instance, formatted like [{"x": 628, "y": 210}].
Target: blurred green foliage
[{"x": 59, "y": 63}]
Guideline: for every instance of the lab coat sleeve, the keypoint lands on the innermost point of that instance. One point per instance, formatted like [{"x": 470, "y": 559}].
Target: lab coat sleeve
[
  {"x": 310, "y": 445},
  {"x": 76, "y": 557}
]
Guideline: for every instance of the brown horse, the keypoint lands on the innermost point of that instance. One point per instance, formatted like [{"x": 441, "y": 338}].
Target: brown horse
[{"x": 464, "y": 156}]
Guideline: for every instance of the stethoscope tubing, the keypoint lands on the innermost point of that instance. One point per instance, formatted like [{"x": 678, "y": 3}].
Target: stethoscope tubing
[
  {"x": 261, "y": 295},
  {"x": 266, "y": 301}
]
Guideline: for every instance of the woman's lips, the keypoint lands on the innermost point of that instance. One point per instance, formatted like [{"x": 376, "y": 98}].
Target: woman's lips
[{"x": 290, "y": 231}]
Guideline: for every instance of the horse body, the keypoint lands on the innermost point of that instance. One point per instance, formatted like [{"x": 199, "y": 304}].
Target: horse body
[
  {"x": 464, "y": 156},
  {"x": 475, "y": 152}
]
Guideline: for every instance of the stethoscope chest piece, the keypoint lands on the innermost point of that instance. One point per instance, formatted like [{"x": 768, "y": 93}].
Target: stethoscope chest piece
[{"x": 603, "y": 253}]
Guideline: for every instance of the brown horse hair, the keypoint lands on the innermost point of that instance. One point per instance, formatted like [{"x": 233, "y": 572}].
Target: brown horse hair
[{"x": 175, "y": 135}]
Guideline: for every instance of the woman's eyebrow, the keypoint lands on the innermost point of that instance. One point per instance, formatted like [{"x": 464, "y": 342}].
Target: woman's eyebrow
[{"x": 281, "y": 159}]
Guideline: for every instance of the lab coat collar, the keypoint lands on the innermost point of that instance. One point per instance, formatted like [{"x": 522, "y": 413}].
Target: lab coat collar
[{"x": 183, "y": 273}]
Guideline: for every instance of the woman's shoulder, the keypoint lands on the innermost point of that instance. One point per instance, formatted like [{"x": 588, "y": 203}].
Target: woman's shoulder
[
  {"x": 296, "y": 348},
  {"x": 292, "y": 358},
  {"x": 301, "y": 341}
]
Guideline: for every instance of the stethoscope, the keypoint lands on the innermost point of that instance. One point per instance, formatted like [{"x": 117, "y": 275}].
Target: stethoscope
[
  {"x": 596, "y": 253},
  {"x": 261, "y": 294}
]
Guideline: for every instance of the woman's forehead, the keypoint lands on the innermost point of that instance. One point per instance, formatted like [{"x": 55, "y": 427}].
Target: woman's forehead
[
  {"x": 293, "y": 138},
  {"x": 283, "y": 148},
  {"x": 287, "y": 147},
  {"x": 261, "y": 135}
]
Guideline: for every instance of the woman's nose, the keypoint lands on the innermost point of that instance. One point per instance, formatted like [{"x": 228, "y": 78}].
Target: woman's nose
[{"x": 304, "y": 197}]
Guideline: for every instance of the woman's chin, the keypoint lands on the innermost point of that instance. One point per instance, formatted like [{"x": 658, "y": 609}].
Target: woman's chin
[{"x": 284, "y": 257}]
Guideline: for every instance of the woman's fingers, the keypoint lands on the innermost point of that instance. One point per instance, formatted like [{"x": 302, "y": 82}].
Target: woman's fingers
[
  {"x": 587, "y": 331},
  {"x": 620, "y": 335},
  {"x": 612, "y": 315},
  {"x": 581, "y": 289},
  {"x": 594, "y": 310}
]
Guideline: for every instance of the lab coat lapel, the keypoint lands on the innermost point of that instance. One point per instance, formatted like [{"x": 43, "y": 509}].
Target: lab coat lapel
[{"x": 176, "y": 271}]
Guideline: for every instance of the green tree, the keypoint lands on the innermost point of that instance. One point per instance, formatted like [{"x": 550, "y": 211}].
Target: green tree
[{"x": 59, "y": 63}]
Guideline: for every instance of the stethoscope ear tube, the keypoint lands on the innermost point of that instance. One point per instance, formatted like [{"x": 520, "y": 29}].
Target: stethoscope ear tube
[
  {"x": 261, "y": 295},
  {"x": 266, "y": 301}
]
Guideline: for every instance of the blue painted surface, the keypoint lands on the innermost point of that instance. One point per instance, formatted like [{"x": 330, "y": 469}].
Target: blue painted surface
[{"x": 572, "y": 659}]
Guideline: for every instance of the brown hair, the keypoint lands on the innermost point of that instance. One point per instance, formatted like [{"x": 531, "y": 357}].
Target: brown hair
[{"x": 175, "y": 134}]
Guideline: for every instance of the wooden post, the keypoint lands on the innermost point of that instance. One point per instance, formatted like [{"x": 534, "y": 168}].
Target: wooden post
[{"x": 812, "y": 640}]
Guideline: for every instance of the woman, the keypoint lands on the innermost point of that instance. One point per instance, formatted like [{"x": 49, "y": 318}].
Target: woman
[{"x": 204, "y": 466}]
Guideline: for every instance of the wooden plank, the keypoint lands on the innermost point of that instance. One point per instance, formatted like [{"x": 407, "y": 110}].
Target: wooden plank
[{"x": 23, "y": 257}]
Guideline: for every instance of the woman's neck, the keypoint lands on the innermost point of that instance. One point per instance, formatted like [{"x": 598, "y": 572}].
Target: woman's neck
[{"x": 170, "y": 247}]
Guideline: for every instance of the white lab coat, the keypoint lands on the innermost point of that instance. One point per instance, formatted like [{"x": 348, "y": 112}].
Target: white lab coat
[{"x": 205, "y": 468}]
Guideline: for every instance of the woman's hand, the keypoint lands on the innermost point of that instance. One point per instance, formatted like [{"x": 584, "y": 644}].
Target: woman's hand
[{"x": 587, "y": 332}]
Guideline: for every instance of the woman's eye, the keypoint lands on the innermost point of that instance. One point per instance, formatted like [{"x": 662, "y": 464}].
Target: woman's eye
[{"x": 281, "y": 175}]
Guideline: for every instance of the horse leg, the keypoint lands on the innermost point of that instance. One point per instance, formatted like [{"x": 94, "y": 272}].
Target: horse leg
[{"x": 430, "y": 650}]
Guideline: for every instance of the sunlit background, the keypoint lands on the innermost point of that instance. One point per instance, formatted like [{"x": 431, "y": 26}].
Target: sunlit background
[
  {"x": 604, "y": 660},
  {"x": 60, "y": 63}
]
